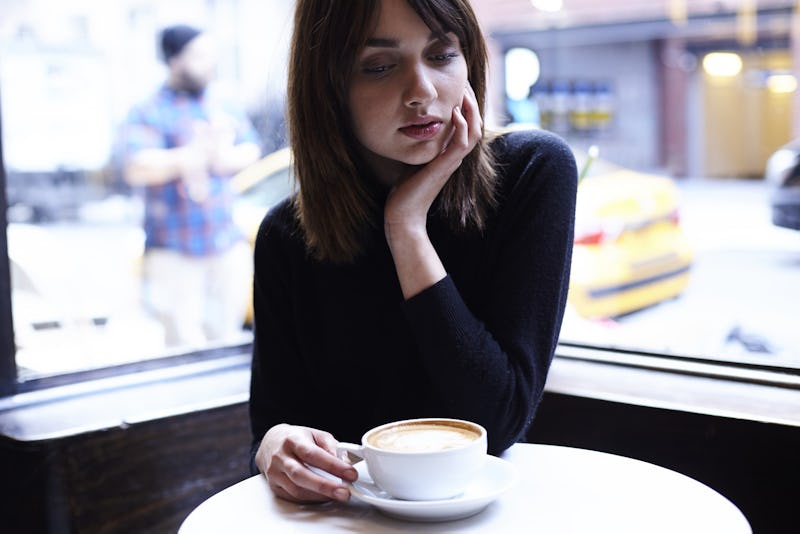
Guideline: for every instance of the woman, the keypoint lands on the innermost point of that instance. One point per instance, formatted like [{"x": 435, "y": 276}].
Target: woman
[{"x": 421, "y": 269}]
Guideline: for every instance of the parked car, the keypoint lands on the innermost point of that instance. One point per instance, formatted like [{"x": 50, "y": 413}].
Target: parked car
[
  {"x": 630, "y": 251},
  {"x": 783, "y": 172}
]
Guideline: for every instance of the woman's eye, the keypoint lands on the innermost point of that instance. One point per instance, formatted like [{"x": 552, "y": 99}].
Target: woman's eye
[
  {"x": 444, "y": 58},
  {"x": 376, "y": 69},
  {"x": 377, "y": 66}
]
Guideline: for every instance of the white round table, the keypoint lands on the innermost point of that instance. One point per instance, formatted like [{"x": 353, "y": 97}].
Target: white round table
[{"x": 558, "y": 490}]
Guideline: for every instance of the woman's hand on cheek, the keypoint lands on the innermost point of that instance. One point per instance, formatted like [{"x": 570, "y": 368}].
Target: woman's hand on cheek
[
  {"x": 406, "y": 212},
  {"x": 284, "y": 457},
  {"x": 467, "y": 126},
  {"x": 408, "y": 203}
]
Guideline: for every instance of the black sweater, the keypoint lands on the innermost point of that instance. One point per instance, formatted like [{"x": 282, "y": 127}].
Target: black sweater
[{"x": 337, "y": 348}]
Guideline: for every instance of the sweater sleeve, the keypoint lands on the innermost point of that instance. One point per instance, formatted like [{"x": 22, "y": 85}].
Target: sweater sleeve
[
  {"x": 273, "y": 357},
  {"x": 489, "y": 364}
]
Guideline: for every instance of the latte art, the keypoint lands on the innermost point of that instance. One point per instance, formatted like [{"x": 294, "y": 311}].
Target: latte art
[{"x": 423, "y": 437}]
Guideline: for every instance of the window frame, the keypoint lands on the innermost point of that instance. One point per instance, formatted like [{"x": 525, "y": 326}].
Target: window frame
[{"x": 8, "y": 366}]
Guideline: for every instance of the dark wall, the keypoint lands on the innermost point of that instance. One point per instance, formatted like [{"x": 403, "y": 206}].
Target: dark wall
[
  {"x": 143, "y": 478},
  {"x": 755, "y": 465}
]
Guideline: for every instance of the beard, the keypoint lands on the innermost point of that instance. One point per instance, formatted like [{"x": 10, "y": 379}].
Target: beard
[{"x": 192, "y": 84}]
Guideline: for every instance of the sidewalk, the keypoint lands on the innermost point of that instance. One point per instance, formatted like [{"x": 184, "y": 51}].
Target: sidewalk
[{"x": 731, "y": 214}]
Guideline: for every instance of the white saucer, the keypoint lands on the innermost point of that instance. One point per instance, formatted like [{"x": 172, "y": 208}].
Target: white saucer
[{"x": 496, "y": 477}]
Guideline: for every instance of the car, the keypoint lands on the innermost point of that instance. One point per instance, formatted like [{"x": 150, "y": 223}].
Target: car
[
  {"x": 783, "y": 173},
  {"x": 630, "y": 251}
]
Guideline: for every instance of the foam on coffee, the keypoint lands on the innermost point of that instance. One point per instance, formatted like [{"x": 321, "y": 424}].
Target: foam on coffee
[{"x": 423, "y": 437}]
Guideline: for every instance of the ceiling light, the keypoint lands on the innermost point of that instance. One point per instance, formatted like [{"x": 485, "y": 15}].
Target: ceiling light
[
  {"x": 781, "y": 83},
  {"x": 549, "y": 6},
  {"x": 723, "y": 64}
]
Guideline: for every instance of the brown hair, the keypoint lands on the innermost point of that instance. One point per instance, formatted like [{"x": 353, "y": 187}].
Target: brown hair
[{"x": 334, "y": 204}]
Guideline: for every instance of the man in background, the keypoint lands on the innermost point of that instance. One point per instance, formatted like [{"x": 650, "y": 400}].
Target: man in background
[{"x": 182, "y": 146}]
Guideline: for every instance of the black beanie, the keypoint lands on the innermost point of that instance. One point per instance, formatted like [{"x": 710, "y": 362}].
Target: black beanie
[{"x": 174, "y": 38}]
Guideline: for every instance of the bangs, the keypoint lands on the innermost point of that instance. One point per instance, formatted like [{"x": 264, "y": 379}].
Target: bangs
[{"x": 441, "y": 17}]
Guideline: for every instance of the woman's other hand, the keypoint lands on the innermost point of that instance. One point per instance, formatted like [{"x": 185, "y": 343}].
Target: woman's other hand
[
  {"x": 406, "y": 212},
  {"x": 409, "y": 201},
  {"x": 284, "y": 457}
]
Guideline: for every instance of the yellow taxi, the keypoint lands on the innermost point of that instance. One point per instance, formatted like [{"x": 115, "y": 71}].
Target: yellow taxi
[{"x": 630, "y": 251}]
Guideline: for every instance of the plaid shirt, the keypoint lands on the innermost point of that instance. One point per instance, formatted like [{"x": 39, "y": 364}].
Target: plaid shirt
[{"x": 172, "y": 219}]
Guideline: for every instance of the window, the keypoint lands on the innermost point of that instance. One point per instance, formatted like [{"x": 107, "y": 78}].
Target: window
[
  {"x": 69, "y": 76},
  {"x": 677, "y": 258},
  {"x": 676, "y": 251}
]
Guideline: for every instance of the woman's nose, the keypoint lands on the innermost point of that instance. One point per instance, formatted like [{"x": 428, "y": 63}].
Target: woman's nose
[{"x": 420, "y": 89}]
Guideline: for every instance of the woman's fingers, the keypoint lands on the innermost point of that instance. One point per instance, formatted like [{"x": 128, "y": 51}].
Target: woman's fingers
[
  {"x": 325, "y": 440},
  {"x": 472, "y": 115},
  {"x": 294, "y": 478},
  {"x": 467, "y": 126},
  {"x": 301, "y": 465},
  {"x": 323, "y": 456}
]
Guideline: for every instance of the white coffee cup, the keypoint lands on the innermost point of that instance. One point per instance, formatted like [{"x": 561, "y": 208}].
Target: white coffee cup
[{"x": 422, "y": 459}]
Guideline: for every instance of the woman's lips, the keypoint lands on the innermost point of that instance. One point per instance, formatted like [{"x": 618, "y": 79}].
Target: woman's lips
[{"x": 423, "y": 131}]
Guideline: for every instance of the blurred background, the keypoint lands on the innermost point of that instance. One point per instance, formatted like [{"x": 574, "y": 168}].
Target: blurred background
[{"x": 673, "y": 108}]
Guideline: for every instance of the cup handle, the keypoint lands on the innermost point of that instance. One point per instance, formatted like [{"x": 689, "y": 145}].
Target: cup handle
[{"x": 345, "y": 449}]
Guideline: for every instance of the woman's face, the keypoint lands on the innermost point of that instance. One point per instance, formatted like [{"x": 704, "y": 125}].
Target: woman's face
[{"x": 403, "y": 88}]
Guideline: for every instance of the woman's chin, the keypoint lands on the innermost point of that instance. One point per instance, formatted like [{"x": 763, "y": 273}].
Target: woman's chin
[
  {"x": 422, "y": 157},
  {"x": 417, "y": 162}
]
